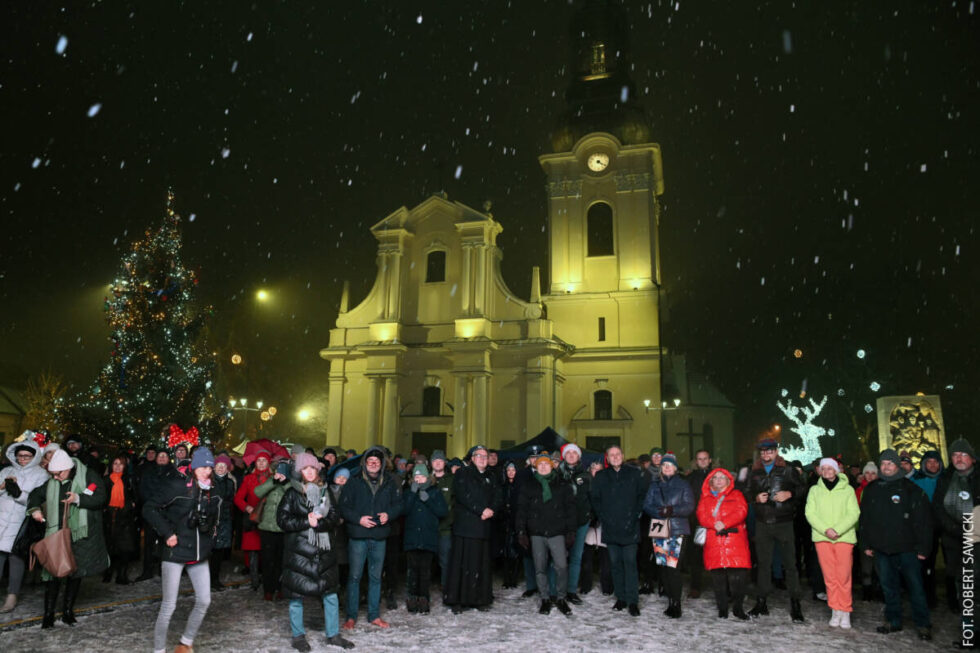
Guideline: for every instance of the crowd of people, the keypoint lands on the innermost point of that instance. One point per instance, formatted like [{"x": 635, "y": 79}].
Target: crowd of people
[{"x": 338, "y": 526}]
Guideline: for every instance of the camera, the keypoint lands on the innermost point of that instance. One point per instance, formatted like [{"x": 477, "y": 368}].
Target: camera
[{"x": 199, "y": 517}]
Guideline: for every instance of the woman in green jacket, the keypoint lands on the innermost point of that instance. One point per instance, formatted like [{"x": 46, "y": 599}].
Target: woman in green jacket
[
  {"x": 271, "y": 536},
  {"x": 832, "y": 510}
]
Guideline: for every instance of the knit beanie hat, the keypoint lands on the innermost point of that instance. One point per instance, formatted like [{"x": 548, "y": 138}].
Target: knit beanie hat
[
  {"x": 202, "y": 457},
  {"x": 870, "y": 466},
  {"x": 962, "y": 446},
  {"x": 829, "y": 462},
  {"x": 888, "y": 454},
  {"x": 669, "y": 458},
  {"x": 420, "y": 470},
  {"x": 657, "y": 450},
  {"x": 305, "y": 460},
  {"x": 543, "y": 458},
  {"x": 222, "y": 458},
  {"x": 60, "y": 461},
  {"x": 343, "y": 471},
  {"x": 439, "y": 454},
  {"x": 297, "y": 450}
]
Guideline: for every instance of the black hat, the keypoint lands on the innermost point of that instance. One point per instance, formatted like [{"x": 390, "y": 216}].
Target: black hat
[{"x": 962, "y": 446}]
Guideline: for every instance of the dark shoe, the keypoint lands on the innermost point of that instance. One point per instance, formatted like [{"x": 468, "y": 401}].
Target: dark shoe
[
  {"x": 337, "y": 640},
  {"x": 528, "y": 594},
  {"x": 411, "y": 604},
  {"x": 484, "y": 608},
  {"x": 146, "y": 575},
  {"x": 723, "y": 612},
  {"x": 48, "y": 621},
  {"x": 759, "y": 609},
  {"x": 646, "y": 588},
  {"x": 423, "y": 605},
  {"x": 545, "y": 607},
  {"x": 619, "y": 605},
  {"x": 390, "y": 601},
  {"x": 796, "y": 611},
  {"x": 107, "y": 576},
  {"x": 739, "y": 613},
  {"x": 562, "y": 606},
  {"x": 634, "y": 610},
  {"x": 300, "y": 643},
  {"x": 924, "y": 634},
  {"x": 71, "y": 593},
  {"x": 51, "y": 588},
  {"x": 122, "y": 580},
  {"x": 673, "y": 609},
  {"x": 218, "y": 587},
  {"x": 887, "y": 629},
  {"x": 457, "y": 609},
  {"x": 267, "y": 596},
  {"x": 573, "y": 599}
]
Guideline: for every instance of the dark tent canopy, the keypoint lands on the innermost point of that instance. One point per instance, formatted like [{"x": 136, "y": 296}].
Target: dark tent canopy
[{"x": 547, "y": 440}]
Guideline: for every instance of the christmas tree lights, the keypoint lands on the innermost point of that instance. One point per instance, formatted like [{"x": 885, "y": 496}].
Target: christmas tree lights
[{"x": 159, "y": 368}]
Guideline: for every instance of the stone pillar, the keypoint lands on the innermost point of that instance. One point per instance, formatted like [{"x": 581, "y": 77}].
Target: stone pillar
[
  {"x": 480, "y": 282},
  {"x": 335, "y": 407},
  {"x": 389, "y": 420},
  {"x": 371, "y": 436},
  {"x": 535, "y": 398},
  {"x": 460, "y": 422},
  {"x": 466, "y": 281},
  {"x": 481, "y": 403},
  {"x": 393, "y": 311}
]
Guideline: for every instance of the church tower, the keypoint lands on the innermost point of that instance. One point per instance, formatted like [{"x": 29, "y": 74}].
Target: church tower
[{"x": 603, "y": 184}]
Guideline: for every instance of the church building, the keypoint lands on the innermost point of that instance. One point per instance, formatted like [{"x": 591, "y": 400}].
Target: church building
[{"x": 441, "y": 354}]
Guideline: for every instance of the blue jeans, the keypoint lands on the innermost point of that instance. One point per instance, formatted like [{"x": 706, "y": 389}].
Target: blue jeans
[
  {"x": 892, "y": 570},
  {"x": 331, "y": 615},
  {"x": 445, "y": 546},
  {"x": 360, "y": 551},
  {"x": 626, "y": 578},
  {"x": 574, "y": 562}
]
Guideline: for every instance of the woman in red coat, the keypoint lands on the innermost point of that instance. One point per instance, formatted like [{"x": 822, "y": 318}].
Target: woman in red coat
[
  {"x": 248, "y": 503},
  {"x": 722, "y": 511}
]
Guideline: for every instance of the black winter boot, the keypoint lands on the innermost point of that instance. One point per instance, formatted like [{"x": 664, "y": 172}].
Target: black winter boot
[
  {"x": 71, "y": 593},
  {"x": 796, "y": 611},
  {"x": 737, "y": 610},
  {"x": 51, "y": 588},
  {"x": 545, "y": 606},
  {"x": 760, "y": 608}
]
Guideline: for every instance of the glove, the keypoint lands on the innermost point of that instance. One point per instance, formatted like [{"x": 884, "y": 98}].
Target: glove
[
  {"x": 423, "y": 495},
  {"x": 414, "y": 487},
  {"x": 12, "y": 488},
  {"x": 667, "y": 511},
  {"x": 523, "y": 540},
  {"x": 569, "y": 540}
]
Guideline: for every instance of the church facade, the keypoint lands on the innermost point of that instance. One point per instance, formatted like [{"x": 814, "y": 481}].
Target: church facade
[{"x": 441, "y": 354}]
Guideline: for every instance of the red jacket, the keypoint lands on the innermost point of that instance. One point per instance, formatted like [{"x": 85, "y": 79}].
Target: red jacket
[
  {"x": 246, "y": 497},
  {"x": 730, "y": 550}
]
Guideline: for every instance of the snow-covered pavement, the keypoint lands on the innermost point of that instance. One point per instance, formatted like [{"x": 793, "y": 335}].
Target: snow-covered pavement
[{"x": 120, "y": 618}]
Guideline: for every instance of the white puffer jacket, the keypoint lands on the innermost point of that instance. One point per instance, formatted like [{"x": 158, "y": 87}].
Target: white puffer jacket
[{"x": 13, "y": 511}]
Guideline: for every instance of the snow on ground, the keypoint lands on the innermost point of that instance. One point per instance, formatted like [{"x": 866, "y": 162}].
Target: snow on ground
[{"x": 120, "y": 618}]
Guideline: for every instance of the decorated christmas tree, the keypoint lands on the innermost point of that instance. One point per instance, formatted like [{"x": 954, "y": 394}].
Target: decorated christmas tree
[{"x": 159, "y": 370}]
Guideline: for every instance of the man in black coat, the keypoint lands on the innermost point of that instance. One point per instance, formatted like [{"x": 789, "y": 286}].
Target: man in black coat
[
  {"x": 695, "y": 557},
  {"x": 617, "y": 498},
  {"x": 368, "y": 504},
  {"x": 478, "y": 498},
  {"x": 896, "y": 529},
  {"x": 777, "y": 490},
  {"x": 953, "y": 503}
]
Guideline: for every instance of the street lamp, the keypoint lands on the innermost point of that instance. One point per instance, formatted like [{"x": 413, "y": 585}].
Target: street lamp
[{"x": 242, "y": 406}]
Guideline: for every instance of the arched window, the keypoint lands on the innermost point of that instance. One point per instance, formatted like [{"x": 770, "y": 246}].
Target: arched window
[
  {"x": 431, "y": 401},
  {"x": 603, "y": 404},
  {"x": 600, "y": 230},
  {"x": 435, "y": 266}
]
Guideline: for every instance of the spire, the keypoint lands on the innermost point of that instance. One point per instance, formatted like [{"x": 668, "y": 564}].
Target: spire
[
  {"x": 601, "y": 95},
  {"x": 345, "y": 297}
]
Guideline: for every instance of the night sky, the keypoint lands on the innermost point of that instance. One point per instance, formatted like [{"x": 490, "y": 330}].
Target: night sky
[{"x": 820, "y": 168}]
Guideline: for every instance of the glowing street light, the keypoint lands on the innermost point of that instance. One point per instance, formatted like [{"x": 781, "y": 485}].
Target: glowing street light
[
  {"x": 304, "y": 415},
  {"x": 262, "y": 295}
]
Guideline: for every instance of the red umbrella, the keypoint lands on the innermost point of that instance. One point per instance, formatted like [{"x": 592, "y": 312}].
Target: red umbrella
[{"x": 255, "y": 447}]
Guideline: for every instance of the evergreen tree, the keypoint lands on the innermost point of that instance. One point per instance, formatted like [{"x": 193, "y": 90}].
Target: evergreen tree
[{"x": 159, "y": 370}]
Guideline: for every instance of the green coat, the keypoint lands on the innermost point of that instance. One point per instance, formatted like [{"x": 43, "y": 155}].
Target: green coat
[
  {"x": 837, "y": 509},
  {"x": 445, "y": 487},
  {"x": 90, "y": 552},
  {"x": 273, "y": 493}
]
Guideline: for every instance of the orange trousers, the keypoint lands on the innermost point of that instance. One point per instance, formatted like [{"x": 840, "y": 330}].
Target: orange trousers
[{"x": 835, "y": 562}]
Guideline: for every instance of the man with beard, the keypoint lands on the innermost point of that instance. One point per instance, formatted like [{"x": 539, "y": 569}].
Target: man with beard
[
  {"x": 478, "y": 497},
  {"x": 368, "y": 504}
]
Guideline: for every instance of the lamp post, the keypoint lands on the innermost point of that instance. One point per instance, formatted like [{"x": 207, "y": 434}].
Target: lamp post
[{"x": 242, "y": 406}]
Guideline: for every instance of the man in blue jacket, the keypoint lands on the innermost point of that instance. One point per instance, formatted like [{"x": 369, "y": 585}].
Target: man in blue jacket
[
  {"x": 369, "y": 503},
  {"x": 617, "y": 497}
]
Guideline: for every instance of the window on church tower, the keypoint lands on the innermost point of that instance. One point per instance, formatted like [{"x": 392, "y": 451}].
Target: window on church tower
[
  {"x": 600, "y": 230},
  {"x": 431, "y": 401},
  {"x": 603, "y": 404},
  {"x": 602, "y": 329},
  {"x": 435, "y": 266}
]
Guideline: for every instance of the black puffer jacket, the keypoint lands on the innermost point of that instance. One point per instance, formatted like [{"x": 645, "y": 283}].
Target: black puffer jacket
[
  {"x": 780, "y": 477},
  {"x": 225, "y": 487},
  {"x": 535, "y": 516},
  {"x": 178, "y": 506},
  {"x": 307, "y": 570},
  {"x": 475, "y": 492},
  {"x": 579, "y": 477}
]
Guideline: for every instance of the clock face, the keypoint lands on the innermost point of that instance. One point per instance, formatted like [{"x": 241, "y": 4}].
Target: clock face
[{"x": 598, "y": 161}]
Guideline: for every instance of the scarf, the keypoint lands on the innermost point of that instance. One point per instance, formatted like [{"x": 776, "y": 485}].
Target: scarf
[
  {"x": 117, "y": 498},
  {"x": 545, "y": 486},
  {"x": 319, "y": 501},
  {"x": 830, "y": 484},
  {"x": 77, "y": 516}
]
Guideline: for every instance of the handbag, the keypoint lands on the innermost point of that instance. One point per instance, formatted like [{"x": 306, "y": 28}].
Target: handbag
[
  {"x": 256, "y": 515},
  {"x": 31, "y": 531},
  {"x": 660, "y": 528},
  {"x": 54, "y": 551}
]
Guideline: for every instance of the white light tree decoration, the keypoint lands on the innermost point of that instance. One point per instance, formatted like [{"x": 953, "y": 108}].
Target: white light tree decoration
[{"x": 809, "y": 432}]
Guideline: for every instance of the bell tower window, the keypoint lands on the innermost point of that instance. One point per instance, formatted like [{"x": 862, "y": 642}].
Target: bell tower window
[
  {"x": 600, "y": 229},
  {"x": 435, "y": 266},
  {"x": 431, "y": 401},
  {"x": 603, "y": 404}
]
